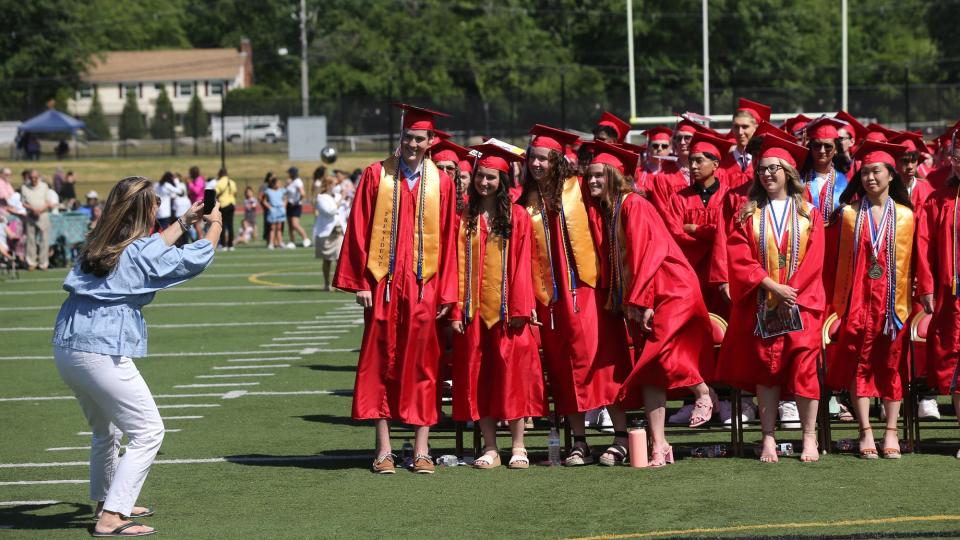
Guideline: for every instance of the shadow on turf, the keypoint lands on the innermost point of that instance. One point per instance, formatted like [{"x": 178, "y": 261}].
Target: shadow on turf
[
  {"x": 75, "y": 516},
  {"x": 328, "y": 461},
  {"x": 328, "y": 367}
]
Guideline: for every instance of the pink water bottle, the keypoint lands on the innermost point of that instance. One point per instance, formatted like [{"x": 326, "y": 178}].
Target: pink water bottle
[{"x": 637, "y": 443}]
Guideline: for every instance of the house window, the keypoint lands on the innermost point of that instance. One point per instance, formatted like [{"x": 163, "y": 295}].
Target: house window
[
  {"x": 185, "y": 88},
  {"x": 159, "y": 87},
  {"x": 85, "y": 91},
  {"x": 216, "y": 88},
  {"x": 133, "y": 88}
]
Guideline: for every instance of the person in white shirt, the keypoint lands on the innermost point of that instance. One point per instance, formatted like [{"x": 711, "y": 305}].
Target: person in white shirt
[
  {"x": 295, "y": 195},
  {"x": 329, "y": 209}
]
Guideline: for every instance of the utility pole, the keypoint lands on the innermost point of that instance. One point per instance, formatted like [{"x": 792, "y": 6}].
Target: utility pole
[
  {"x": 304, "y": 75},
  {"x": 633, "y": 83},
  {"x": 706, "y": 61}
]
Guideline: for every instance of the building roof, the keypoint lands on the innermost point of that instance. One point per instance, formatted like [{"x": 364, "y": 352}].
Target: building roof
[{"x": 165, "y": 65}]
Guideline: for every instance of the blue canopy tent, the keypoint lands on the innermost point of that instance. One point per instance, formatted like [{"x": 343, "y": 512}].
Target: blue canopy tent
[{"x": 53, "y": 121}]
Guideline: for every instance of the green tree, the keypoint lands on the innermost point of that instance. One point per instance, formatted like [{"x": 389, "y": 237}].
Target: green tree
[
  {"x": 131, "y": 121},
  {"x": 97, "y": 126},
  {"x": 161, "y": 127},
  {"x": 196, "y": 121}
]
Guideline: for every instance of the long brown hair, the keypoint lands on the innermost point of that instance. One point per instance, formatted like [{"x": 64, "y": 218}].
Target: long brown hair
[
  {"x": 617, "y": 185},
  {"x": 560, "y": 170},
  {"x": 758, "y": 198},
  {"x": 128, "y": 214},
  {"x": 502, "y": 222}
]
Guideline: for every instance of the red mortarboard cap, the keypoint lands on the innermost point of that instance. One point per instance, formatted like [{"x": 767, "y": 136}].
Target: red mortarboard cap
[
  {"x": 766, "y": 128},
  {"x": 419, "y": 118},
  {"x": 635, "y": 148},
  {"x": 620, "y": 126},
  {"x": 729, "y": 136},
  {"x": 792, "y": 153},
  {"x": 465, "y": 165},
  {"x": 552, "y": 138},
  {"x": 494, "y": 157},
  {"x": 703, "y": 142},
  {"x": 795, "y": 124},
  {"x": 442, "y": 135},
  {"x": 873, "y": 129},
  {"x": 859, "y": 130},
  {"x": 658, "y": 133},
  {"x": 616, "y": 156},
  {"x": 824, "y": 128},
  {"x": 879, "y": 152},
  {"x": 447, "y": 150},
  {"x": 759, "y": 111},
  {"x": 913, "y": 140}
]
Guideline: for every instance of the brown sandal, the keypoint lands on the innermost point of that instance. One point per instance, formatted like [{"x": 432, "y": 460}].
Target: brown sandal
[
  {"x": 868, "y": 453},
  {"x": 892, "y": 453}
]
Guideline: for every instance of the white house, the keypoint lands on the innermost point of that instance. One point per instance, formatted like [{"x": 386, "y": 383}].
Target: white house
[{"x": 184, "y": 73}]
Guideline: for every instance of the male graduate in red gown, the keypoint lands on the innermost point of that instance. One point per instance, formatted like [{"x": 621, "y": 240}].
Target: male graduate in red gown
[
  {"x": 400, "y": 258},
  {"x": 611, "y": 128},
  {"x": 657, "y": 153},
  {"x": 737, "y": 166},
  {"x": 909, "y": 166},
  {"x": 694, "y": 215},
  {"x": 675, "y": 175},
  {"x": 449, "y": 157}
]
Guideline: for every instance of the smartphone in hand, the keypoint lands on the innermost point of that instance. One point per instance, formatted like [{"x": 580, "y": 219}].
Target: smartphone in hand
[{"x": 209, "y": 200}]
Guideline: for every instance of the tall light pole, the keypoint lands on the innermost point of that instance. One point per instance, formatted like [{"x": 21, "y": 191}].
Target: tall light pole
[
  {"x": 706, "y": 62},
  {"x": 304, "y": 75},
  {"x": 633, "y": 83},
  {"x": 843, "y": 54}
]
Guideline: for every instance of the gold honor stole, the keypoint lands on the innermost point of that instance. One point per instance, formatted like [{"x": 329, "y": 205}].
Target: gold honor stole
[
  {"x": 578, "y": 236},
  {"x": 492, "y": 294},
  {"x": 772, "y": 264},
  {"x": 381, "y": 258},
  {"x": 903, "y": 249}
]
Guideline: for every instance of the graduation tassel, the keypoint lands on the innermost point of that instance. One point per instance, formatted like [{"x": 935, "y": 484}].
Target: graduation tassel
[
  {"x": 386, "y": 295},
  {"x": 573, "y": 293},
  {"x": 551, "y": 317}
]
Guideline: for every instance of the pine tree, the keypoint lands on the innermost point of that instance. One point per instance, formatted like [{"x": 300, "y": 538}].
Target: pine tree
[
  {"x": 196, "y": 121},
  {"x": 97, "y": 126},
  {"x": 163, "y": 118},
  {"x": 131, "y": 121}
]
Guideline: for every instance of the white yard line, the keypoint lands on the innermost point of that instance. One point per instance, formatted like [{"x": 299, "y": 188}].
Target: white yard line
[
  {"x": 172, "y": 354},
  {"x": 178, "y": 289},
  {"x": 67, "y": 448},
  {"x": 234, "y": 375},
  {"x": 305, "y": 338},
  {"x": 27, "y": 503},
  {"x": 267, "y": 366},
  {"x": 190, "y": 461},
  {"x": 315, "y": 332},
  {"x": 89, "y": 433},
  {"x": 43, "y": 482},
  {"x": 189, "y": 406},
  {"x": 216, "y": 385},
  {"x": 170, "y": 326},
  {"x": 267, "y": 359},
  {"x": 192, "y": 304},
  {"x": 311, "y": 344},
  {"x": 181, "y": 417}
]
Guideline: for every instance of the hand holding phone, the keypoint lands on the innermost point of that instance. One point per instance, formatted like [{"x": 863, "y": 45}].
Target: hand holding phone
[{"x": 209, "y": 200}]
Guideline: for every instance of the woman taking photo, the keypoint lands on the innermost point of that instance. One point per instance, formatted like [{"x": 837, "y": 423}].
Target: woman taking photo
[
  {"x": 654, "y": 288},
  {"x": 775, "y": 257},
  {"x": 872, "y": 290},
  {"x": 328, "y": 226},
  {"x": 496, "y": 371},
  {"x": 100, "y": 329}
]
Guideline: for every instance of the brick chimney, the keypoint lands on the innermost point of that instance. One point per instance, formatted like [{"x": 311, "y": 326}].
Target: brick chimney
[{"x": 246, "y": 49}]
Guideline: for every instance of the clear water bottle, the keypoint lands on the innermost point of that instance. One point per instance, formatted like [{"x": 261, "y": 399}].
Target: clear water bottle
[
  {"x": 785, "y": 449},
  {"x": 406, "y": 454},
  {"x": 713, "y": 451},
  {"x": 553, "y": 447},
  {"x": 447, "y": 460}
]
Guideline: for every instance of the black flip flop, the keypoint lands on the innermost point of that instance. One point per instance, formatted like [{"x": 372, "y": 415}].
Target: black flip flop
[
  {"x": 118, "y": 532},
  {"x": 136, "y": 515}
]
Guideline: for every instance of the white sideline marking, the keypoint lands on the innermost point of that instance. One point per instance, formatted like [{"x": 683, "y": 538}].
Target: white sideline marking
[
  {"x": 264, "y": 359},
  {"x": 206, "y": 276},
  {"x": 234, "y": 394},
  {"x": 157, "y": 396},
  {"x": 88, "y": 433},
  {"x": 290, "y": 344},
  {"x": 180, "y": 289},
  {"x": 325, "y": 326},
  {"x": 234, "y": 375},
  {"x": 67, "y": 448},
  {"x": 182, "y": 417},
  {"x": 42, "y": 482},
  {"x": 192, "y": 304},
  {"x": 305, "y": 338},
  {"x": 189, "y": 406},
  {"x": 269, "y": 366},
  {"x": 26, "y": 503},
  {"x": 314, "y": 332},
  {"x": 168, "y": 326},
  {"x": 216, "y": 385},
  {"x": 187, "y": 461},
  {"x": 298, "y": 393},
  {"x": 171, "y": 355}
]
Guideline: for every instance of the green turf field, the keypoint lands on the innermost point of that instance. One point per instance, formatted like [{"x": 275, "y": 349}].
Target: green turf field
[{"x": 279, "y": 457}]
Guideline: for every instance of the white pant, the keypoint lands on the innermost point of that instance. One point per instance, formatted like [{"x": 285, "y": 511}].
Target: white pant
[{"x": 116, "y": 402}]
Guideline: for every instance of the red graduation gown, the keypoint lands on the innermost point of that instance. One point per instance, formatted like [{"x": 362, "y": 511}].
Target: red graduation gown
[
  {"x": 864, "y": 355},
  {"x": 934, "y": 276},
  {"x": 939, "y": 177},
  {"x": 657, "y": 276},
  {"x": 789, "y": 360},
  {"x": 585, "y": 352},
  {"x": 399, "y": 353},
  {"x": 668, "y": 181},
  {"x": 496, "y": 371},
  {"x": 732, "y": 202},
  {"x": 731, "y": 171},
  {"x": 687, "y": 207}
]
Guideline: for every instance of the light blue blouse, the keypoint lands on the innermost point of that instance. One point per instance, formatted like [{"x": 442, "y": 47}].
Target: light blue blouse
[{"x": 103, "y": 315}]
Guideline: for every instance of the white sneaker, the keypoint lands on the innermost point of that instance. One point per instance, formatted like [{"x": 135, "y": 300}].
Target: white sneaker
[
  {"x": 290, "y": 245},
  {"x": 748, "y": 411},
  {"x": 231, "y": 248},
  {"x": 306, "y": 242},
  {"x": 725, "y": 410},
  {"x": 270, "y": 246},
  {"x": 929, "y": 409},
  {"x": 682, "y": 416},
  {"x": 789, "y": 415},
  {"x": 605, "y": 424}
]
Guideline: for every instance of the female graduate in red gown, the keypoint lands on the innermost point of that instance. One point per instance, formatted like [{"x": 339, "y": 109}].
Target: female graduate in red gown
[
  {"x": 584, "y": 345},
  {"x": 872, "y": 290},
  {"x": 938, "y": 284},
  {"x": 775, "y": 255},
  {"x": 497, "y": 373},
  {"x": 653, "y": 287}
]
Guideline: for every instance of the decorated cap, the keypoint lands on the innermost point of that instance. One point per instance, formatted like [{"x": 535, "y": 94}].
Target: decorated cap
[
  {"x": 766, "y": 128},
  {"x": 659, "y": 133},
  {"x": 758, "y": 111},
  {"x": 795, "y": 124},
  {"x": 791, "y": 152},
  {"x": 874, "y": 129},
  {"x": 879, "y": 152},
  {"x": 552, "y": 138},
  {"x": 447, "y": 150},
  {"x": 493, "y": 156},
  {"x": 621, "y": 127},
  {"x": 824, "y": 128},
  {"x": 419, "y": 118},
  {"x": 912, "y": 140},
  {"x": 703, "y": 142},
  {"x": 859, "y": 130},
  {"x": 617, "y": 157}
]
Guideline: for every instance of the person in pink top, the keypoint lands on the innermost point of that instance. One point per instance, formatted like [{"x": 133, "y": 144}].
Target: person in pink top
[{"x": 195, "y": 185}]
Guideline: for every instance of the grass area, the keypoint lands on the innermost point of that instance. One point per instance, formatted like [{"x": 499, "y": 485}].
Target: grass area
[
  {"x": 291, "y": 468},
  {"x": 102, "y": 174}
]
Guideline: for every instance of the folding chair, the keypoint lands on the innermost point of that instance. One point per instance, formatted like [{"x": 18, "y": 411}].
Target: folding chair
[
  {"x": 919, "y": 325},
  {"x": 718, "y": 327},
  {"x": 829, "y": 332}
]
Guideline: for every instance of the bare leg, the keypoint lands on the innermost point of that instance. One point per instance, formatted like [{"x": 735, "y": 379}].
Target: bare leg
[
  {"x": 488, "y": 427},
  {"x": 619, "y": 418},
  {"x": 326, "y": 275},
  {"x": 421, "y": 441},
  {"x": 655, "y": 403},
  {"x": 808, "y": 421},
  {"x": 516, "y": 433},
  {"x": 861, "y": 408},
  {"x": 769, "y": 398},
  {"x": 383, "y": 436},
  {"x": 891, "y": 437}
]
